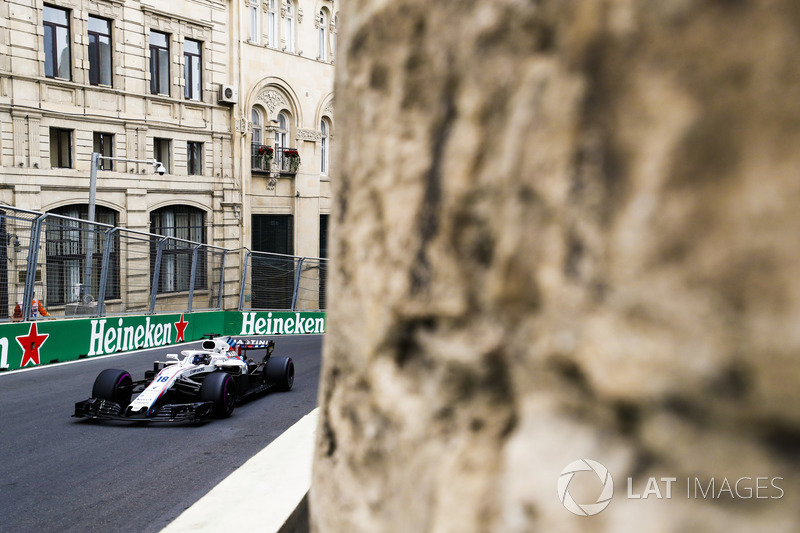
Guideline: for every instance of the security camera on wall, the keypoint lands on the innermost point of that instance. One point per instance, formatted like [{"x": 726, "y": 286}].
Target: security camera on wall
[{"x": 160, "y": 168}]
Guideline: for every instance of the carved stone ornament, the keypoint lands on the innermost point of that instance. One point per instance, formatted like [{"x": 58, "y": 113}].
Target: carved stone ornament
[
  {"x": 329, "y": 109},
  {"x": 309, "y": 135},
  {"x": 271, "y": 183},
  {"x": 272, "y": 99}
]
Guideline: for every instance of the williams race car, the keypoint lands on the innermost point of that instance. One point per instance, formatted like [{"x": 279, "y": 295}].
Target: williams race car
[{"x": 206, "y": 382}]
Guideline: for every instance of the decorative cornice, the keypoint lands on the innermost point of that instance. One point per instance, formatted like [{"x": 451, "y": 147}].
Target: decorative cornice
[
  {"x": 272, "y": 99},
  {"x": 172, "y": 16},
  {"x": 309, "y": 135}
]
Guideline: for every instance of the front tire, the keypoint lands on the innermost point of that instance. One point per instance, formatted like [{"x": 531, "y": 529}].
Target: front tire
[
  {"x": 113, "y": 385},
  {"x": 219, "y": 389},
  {"x": 280, "y": 370}
]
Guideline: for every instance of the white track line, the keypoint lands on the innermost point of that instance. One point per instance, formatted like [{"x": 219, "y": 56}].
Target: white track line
[{"x": 280, "y": 475}]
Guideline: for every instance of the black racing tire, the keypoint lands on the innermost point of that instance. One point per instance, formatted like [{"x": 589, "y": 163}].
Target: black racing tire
[
  {"x": 280, "y": 370},
  {"x": 113, "y": 385},
  {"x": 219, "y": 388}
]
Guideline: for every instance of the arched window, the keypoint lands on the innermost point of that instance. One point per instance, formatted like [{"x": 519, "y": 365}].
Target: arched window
[
  {"x": 65, "y": 249},
  {"x": 286, "y": 157},
  {"x": 180, "y": 222},
  {"x": 282, "y": 131},
  {"x": 260, "y": 154},
  {"x": 258, "y": 125},
  {"x": 324, "y": 146},
  {"x": 289, "y": 26},
  {"x": 322, "y": 33}
]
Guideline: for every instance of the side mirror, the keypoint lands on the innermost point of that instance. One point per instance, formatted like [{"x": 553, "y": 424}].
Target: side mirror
[{"x": 172, "y": 356}]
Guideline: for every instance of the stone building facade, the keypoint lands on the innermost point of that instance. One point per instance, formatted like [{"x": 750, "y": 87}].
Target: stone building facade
[
  {"x": 191, "y": 83},
  {"x": 285, "y": 75}
]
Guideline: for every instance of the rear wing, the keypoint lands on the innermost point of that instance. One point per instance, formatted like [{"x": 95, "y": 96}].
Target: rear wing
[{"x": 246, "y": 347}]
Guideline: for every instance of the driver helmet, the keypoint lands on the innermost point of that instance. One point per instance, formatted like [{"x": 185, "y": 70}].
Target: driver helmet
[{"x": 199, "y": 360}]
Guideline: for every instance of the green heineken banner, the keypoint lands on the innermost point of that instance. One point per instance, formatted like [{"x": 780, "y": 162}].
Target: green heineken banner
[
  {"x": 29, "y": 344},
  {"x": 276, "y": 323}
]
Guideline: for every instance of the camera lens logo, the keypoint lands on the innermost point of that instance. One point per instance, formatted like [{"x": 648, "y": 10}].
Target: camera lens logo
[{"x": 586, "y": 509}]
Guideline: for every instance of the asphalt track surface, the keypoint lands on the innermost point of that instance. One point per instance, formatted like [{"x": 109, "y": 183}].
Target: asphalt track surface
[{"x": 63, "y": 474}]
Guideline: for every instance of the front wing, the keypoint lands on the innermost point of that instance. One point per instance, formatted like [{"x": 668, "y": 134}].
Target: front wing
[{"x": 100, "y": 409}]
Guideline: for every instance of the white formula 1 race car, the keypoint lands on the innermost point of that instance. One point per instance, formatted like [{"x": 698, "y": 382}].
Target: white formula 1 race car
[{"x": 205, "y": 382}]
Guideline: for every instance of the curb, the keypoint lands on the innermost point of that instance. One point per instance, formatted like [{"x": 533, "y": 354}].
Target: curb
[
  {"x": 279, "y": 474},
  {"x": 299, "y": 522}
]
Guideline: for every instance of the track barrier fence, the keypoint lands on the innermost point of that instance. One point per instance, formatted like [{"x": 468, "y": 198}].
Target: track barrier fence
[{"x": 55, "y": 266}]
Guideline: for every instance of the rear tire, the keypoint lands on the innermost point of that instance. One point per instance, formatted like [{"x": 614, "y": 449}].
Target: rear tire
[
  {"x": 219, "y": 389},
  {"x": 280, "y": 370},
  {"x": 113, "y": 385}
]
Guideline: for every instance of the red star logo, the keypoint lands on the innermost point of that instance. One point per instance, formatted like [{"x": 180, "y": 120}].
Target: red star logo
[
  {"x": 30, "y": 344},
  {"x": 181, "y": 327}
]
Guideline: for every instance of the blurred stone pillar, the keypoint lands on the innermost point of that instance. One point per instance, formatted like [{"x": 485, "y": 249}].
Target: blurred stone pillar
[{"x": 562, "y": 230}]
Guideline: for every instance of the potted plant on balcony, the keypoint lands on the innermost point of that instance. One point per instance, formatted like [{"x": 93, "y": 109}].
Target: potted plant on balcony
[
  {"x": 293, "y": 160},
  {"x": 265, "y": 153}
]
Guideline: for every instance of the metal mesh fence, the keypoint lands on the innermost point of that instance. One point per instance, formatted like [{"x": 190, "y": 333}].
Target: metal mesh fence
[
  {"x": 69, "y": 253},
  {"x": 56, "y": 266},
  {"x": 282, "y": 282},
  {"x": 216, "y": 263},
  {"x": 132, "y": 277},
  {"x": 311, "y": 284},
  {"x": 271, "y": 280},
  {"x": 15, "y": 246}
]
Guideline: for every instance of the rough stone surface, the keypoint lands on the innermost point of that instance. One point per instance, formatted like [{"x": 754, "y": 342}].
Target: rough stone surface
[{"x": 562, "y": 230}]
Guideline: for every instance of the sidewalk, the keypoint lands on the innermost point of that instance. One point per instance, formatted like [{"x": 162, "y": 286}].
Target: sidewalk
[{"x": 280, "y": 475}]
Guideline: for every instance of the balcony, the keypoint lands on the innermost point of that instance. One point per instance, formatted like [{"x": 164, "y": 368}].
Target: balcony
[
  {"x": 268, "y": 160},
  {"x": 261, "y": 157},
  {"x": 287, "y": 160}
]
